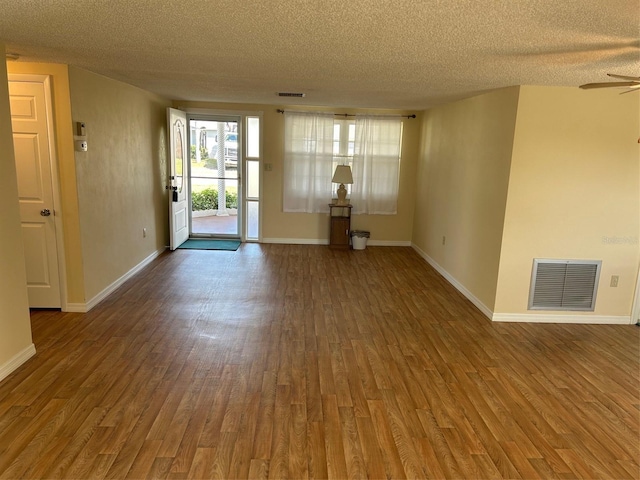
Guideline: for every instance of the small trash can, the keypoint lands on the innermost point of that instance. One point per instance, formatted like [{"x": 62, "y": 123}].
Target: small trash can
[{"x": 359, "y": 239}]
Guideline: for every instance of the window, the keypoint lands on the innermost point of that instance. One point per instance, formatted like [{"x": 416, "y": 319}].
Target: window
[
  {"x": 315, "y": 143},
  {"x": 376, "y": 165},
  {"x": 308, "y": 161},
  {"x": 344, "y": 136},
  {"x": 252, "y": 178}
]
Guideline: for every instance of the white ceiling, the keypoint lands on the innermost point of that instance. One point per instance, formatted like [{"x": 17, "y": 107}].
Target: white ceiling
[{"x": 409, "y": 54}]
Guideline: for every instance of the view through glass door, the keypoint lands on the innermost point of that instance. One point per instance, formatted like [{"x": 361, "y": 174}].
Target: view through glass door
[{"x": 214, "y": 175}]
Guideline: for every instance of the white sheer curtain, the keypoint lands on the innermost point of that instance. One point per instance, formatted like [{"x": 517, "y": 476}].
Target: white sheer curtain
[
  {"x": 308, "y": 161},
  {"x": 376, "y": 165}
]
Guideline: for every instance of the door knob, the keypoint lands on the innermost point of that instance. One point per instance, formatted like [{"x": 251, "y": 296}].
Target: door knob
[{"x": 45, "y": 212}]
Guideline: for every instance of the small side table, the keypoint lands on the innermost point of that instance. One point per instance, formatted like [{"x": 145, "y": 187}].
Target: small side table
[{"x": 340, "y": 226}]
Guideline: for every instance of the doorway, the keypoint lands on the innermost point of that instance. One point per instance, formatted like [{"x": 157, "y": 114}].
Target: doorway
[
  {"x": 33, "y": 140},
  {"x": 214, "y": 176}
]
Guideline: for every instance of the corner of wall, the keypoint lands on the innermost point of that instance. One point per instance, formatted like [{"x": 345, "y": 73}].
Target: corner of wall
[
  {"x": 573, "y": 194},
  {"x": 15, "y": 324},
  {"x": 463, "y": 172}
]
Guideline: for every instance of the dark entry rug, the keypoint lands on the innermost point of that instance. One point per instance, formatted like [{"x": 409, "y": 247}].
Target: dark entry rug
[{"x": 205, "y": 244}]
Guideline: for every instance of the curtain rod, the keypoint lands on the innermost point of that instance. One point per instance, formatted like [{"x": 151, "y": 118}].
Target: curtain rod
[{"x": 353, "y": 114}]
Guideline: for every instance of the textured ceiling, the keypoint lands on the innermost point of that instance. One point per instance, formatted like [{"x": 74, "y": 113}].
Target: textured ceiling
[{"x": 353, "y": 53}]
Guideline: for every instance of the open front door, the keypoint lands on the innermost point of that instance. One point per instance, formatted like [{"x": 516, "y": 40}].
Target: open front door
[{"x": 178, "y": 202}]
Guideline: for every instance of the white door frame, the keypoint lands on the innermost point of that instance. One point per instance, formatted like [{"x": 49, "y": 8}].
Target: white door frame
[
  {"x": 238, "y": 119},
  {"x": 242, "y": 115},
  {"x": 55, "y": 179},
  {"x": 635, "y": 309}
]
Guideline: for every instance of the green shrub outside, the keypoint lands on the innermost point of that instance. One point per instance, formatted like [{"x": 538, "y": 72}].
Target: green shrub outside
[{"x": 207, "y": 199}]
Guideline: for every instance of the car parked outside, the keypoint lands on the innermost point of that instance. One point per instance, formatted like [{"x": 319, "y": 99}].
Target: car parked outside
[{"x": 230, "y": 150}]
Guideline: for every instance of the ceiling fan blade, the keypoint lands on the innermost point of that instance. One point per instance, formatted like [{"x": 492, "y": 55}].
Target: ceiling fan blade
[
  {"x": 624, "y": 77},
  {"x": 635, "y": 88},
  {"x": 609, "y": 84}
]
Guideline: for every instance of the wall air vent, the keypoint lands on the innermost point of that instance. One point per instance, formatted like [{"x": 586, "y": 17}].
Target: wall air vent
[
  {"x": 564, "y": 284},
  {"x": 291, "y": 94}
]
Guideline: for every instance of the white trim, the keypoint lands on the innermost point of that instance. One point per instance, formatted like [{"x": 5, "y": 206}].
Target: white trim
[
  {"x": 213, "y": 111},
  {"x": 76, "y": 308},
  {"x": 324, "y": 241},
  {"x": 297, "y": 241},
  {"x": 388, "y": 243},
  {"x": 461, "y": 288},
  {"x": 16, "y": 361},
  {"x": 524, "y": 317},
  {"x": 559, "y": 318},
  {"x": 85, "y": 307},
  {"x": 635, "y": 309},
  {"x": 57, "y": 198}
]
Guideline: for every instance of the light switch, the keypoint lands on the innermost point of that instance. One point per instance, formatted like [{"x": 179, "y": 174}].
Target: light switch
[{"x": 80, "y": 129}]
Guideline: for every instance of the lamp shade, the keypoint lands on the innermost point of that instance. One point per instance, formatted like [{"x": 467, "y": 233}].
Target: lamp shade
[{"x": 342, "y": 175}]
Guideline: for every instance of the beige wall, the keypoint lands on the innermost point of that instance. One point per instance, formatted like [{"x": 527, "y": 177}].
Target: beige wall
[
  {"x": 573, "y": 192},
  {"x": 66, "y": 170},
  {"x": 462, "y": 180},
  {"x": 121, "y": 178},
  {"x": 15, "y": 325},
  {"x": 311, "y": 227},
  {"x": 560, "y": 180}
]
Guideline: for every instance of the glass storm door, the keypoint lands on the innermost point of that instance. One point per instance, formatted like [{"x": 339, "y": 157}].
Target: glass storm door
[{"x": 214, "y": 176}]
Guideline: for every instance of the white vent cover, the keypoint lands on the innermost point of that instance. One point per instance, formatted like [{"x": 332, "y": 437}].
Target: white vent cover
[{"x": 564, "y": 284}]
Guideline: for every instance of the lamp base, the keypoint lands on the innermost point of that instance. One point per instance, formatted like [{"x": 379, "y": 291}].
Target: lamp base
[{"x": 342, "y": 196}]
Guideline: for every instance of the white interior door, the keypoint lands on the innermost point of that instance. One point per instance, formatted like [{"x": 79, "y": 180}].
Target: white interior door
[
  {"x": 178, "y": 201},
  {"x": 30, "y": 117}
]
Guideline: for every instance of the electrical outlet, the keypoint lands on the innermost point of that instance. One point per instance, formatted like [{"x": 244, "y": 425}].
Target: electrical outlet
[
  {"x": 144, "y": 232},
  {"x": 614, "y": 280}
]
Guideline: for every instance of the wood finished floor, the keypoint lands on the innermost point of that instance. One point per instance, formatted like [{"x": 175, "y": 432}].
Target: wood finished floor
[{"x": 283, "y": 361}]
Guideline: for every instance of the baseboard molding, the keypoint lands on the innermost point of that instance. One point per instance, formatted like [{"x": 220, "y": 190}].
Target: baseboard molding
[
  {"x": 324, "y": 241},
  {"x": 297, "y": 241},
  {"x": 75, "y": 308},
  {"x": 559, "y": 318},
  {"x": 461, "y": 288},
  {"x": 388, "y": 243},
  {"x": 85, "y": 307},
  {"x": 524, "y": 317},
  {"x": 16, "y": 361}
]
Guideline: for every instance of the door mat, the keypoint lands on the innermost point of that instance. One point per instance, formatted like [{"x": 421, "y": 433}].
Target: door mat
[{"x": 202, "y": 244}]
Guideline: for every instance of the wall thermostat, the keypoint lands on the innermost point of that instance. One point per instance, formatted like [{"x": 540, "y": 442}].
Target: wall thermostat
[{"x": 81, "y": 145}]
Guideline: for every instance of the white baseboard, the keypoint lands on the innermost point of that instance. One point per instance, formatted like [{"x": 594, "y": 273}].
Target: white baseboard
[
  {"x": 324, "y": 241},
  {"x": 16, "y": 361},
  {"x": 297, "y": 241},
  {"x": 461, "y": 288},
  {"x": 524, "y": 317},
  {"x": 560, "y": 318},
  {"x": 85, "y": 307},
  {"x": 76, "y": 308},
  {"x": 388, "y": 243}
]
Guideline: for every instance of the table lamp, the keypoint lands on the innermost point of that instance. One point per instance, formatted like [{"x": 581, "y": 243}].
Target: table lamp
[{"x": 342, "y": 175}]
